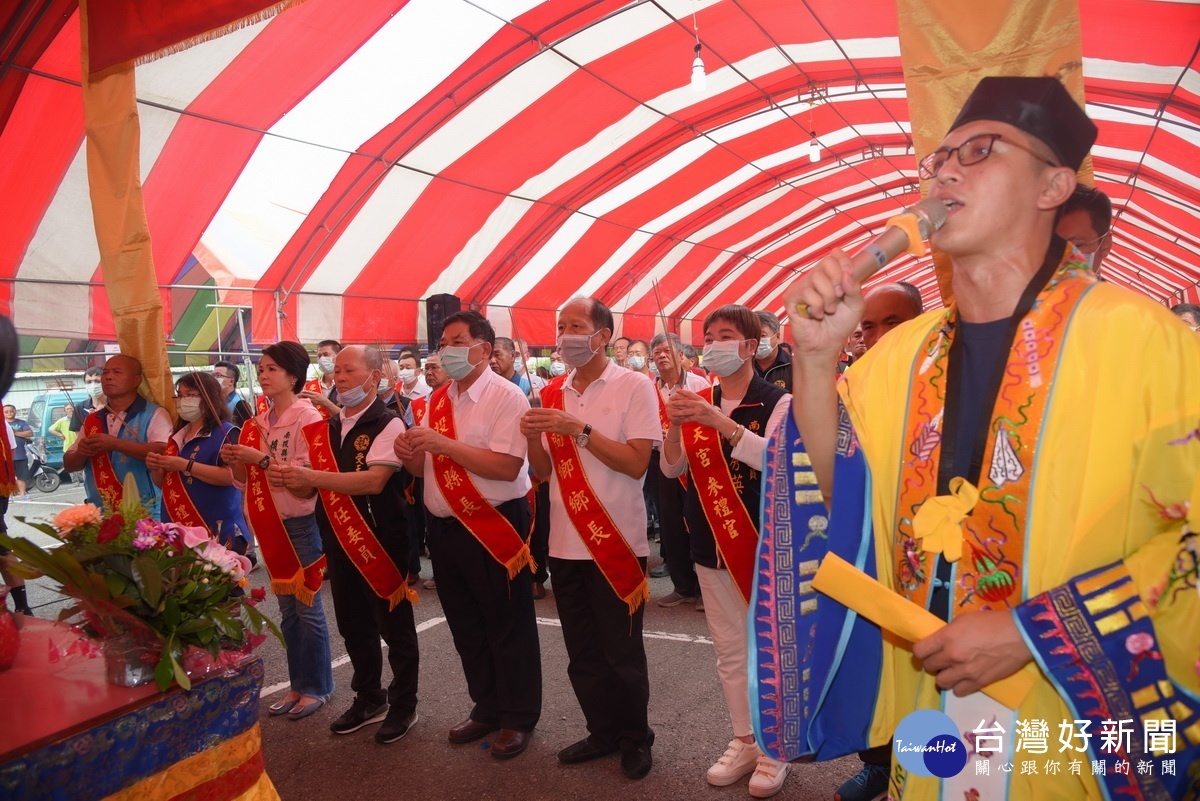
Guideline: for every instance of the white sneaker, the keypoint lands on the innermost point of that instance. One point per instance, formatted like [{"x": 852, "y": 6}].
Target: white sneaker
[
  {"x": 768, "y": 777},
  {"x": 738, "y": 760}
]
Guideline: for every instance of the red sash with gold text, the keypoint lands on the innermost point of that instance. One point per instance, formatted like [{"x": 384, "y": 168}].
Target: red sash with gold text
[
  {"x": 8, "y": 470},
  {"x": 486, "y": 524},
  {"x": 314, "y": 385},
  {"x": 419, "y": 407},
  {"x": 175, "y": 495},
  {"x": 288, "y": 576},
  {"x": 107, "y": 483},
  {"x": 608, "y": 547},
  {"x": 261, "y": 406},
  {"x": 732, "y": 526},
  {"x": 352, "y": 529}
]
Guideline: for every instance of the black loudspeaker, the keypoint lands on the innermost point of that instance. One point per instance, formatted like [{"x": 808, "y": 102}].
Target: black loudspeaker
[{"x": 437, "y": 309}]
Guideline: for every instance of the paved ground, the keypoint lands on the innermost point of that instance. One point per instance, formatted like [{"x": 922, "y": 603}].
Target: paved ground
[{"x": 687, "y": 712}]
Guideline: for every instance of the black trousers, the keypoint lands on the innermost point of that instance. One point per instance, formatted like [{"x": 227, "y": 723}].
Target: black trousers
[
  {"x": 362, "y": 618},
  {"x": 417, "y": 516},
  {"x": 607, "y": 657},
  {"x": 492, "y": 621},
  {"x": 650, "y": 481},
  {"x": 676, "y": 546},
  {"x": 539, "y": 543}
]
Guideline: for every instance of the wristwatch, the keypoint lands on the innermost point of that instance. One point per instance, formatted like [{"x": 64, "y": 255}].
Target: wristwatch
[
  {"x": 264, "y": 462},
  {"x": 581, "y": 439}
]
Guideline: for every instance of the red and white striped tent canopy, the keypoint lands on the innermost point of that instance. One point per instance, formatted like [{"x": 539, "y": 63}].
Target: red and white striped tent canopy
[{"x": 349, "y": 157}]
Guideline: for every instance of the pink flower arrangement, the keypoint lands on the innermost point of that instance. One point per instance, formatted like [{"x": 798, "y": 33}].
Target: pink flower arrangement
[{"x": 172, "y": 586}]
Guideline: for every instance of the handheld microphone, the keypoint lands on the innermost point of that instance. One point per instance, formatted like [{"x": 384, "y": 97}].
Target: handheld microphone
[{"x": 906, "y": 232}]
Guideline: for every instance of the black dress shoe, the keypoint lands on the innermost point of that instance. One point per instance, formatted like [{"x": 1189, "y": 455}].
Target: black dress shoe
[
  {"x": 635, "y": 759},
  {"x": 585, "y": 750},
  {"x": 471, "y": 730},
  {"x": 510, "y": 743}
]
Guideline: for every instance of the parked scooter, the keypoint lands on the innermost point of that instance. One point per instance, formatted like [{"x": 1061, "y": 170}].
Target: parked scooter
[{"x": 42, "y": 476}]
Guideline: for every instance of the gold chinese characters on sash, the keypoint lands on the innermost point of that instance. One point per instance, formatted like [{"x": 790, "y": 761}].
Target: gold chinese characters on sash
[
  {"x": 107, "y": 483},
  {"x": 493, "y": 530},
  {"x": 352, "y": 530},
  {"x": 733, "y": 528},
  {"x": 179, "y": 504},
  {"x": 608, "y": 547},
  {"x": 288, "y": 576}
]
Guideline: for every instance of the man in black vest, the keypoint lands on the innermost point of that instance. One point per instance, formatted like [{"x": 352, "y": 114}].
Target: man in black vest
[{"x": 362, "y": 435}]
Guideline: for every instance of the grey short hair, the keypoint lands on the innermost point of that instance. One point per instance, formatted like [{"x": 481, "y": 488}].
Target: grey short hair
[
  {"x": 661, "y": 339},
  {"x": 769, "y": 320}
]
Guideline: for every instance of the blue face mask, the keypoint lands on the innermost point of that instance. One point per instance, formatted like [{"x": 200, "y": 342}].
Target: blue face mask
[
  {"x": 353, "y": 396},
  {"x": 455, "y": 361}
]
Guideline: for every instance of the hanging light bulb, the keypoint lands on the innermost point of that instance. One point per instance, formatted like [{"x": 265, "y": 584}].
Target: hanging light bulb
[
  {"x": 699, "y": 79},
  {"x": 814, "y": 148}
]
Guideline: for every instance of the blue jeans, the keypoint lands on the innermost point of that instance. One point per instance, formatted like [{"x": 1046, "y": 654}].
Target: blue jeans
[{"x": 304, "y": 628}]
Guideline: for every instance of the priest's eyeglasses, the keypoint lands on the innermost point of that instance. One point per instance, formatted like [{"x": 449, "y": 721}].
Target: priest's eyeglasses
[{"x": 972, "y": 151}]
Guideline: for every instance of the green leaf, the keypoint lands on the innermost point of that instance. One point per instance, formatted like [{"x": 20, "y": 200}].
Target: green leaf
[
  {"x": 187, "y": 590},
  {"x": 163, "y": 673},
  {"x": 171, "y": 613},
  {"x": 180, "y": 676},
  {"x": 193, "y": 626},
  {"x": 41, "y": 526},
  {"x": 258, "y": 621},
  {"x": 117, "y": 584},
  {"x": 149, "y": 579}
]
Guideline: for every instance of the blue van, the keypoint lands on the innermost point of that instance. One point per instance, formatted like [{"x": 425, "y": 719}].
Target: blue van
[{"x": 46, "y": 409}]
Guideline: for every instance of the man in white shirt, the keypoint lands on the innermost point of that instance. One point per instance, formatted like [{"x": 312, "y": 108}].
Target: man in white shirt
[
  {"x": 411, "y": 383},
  {"x": 667, "y": 352},
  {"x": 470, "y": 451},
  {"x": 120, "y": 435},
  {"x": 323, "y": 391},
  {"x": 592, "y": 439}
]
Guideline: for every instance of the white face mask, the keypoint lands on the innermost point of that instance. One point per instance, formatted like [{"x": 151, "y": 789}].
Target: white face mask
[
  {"x": 558, "y": 368},
  {"x": 407, "y": 377},
  {"x": 95, "y": 390},
  {"x": 325, "y": 365},
  {"x": 189, "y": 409},
  {"x": 764, "y": 348},
  {"x": 1090, "y": 258},
  {"x": 653, "y": 368},
  {"x": 723, "y": 358},
  {"x": 383, "y": 387},
  {"x": 636, "y": 363}
]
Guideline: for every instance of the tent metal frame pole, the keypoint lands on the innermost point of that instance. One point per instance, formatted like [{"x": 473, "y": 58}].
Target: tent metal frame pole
[{"x": 251, "y": 374}]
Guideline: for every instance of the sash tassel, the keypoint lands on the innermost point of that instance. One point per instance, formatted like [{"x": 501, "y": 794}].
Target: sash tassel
[{"x": 302, "y": 582}]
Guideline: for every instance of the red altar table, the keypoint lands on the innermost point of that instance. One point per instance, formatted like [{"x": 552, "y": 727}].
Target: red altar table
[{"x": 69, "y": 734}]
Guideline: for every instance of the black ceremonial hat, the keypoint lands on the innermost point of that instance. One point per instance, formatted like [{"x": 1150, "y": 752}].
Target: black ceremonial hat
[{"x": 1042, "y": 107}]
